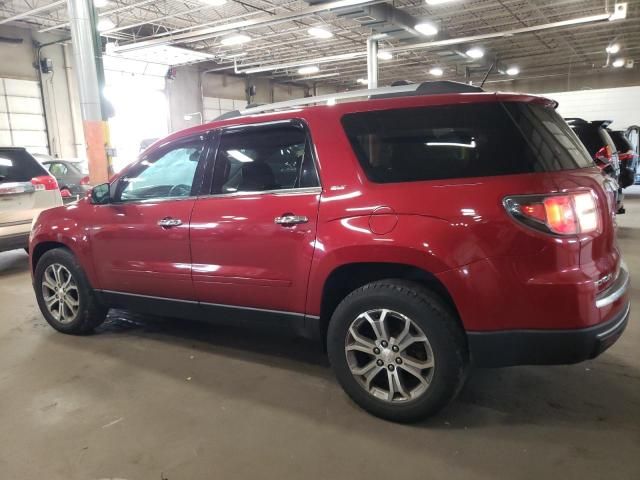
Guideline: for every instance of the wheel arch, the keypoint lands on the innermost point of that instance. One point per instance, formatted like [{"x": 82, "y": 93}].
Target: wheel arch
[{"x": 346, "y": 278}]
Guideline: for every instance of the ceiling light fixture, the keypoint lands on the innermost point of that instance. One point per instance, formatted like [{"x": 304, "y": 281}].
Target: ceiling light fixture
[
  {"x": 613, "y": 48},
  {"x": 618, "y": 62},
  {"x": 214, "y": 3},
  {"x": 382, "y": 55},
  {"x": 426, "y": 28},
  {"x": 308, "y": 70},
  {"x": 105, "y": 24},
  {"x": 101, "y": 3},
  {"x": 513, "y": 71},
  {"x": 436, "y": 72},
  {"x": 439, "y": 2},
  {"x": 319, "y": 32},
  {"x": 237, "y": 39},
  {"x": 475, "y": 52}
]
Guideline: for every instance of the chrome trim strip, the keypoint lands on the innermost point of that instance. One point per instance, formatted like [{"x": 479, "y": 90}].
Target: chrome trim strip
[
  {"x": 281, "y": 191},
  {"x": 618, "y": 323},
  {"x": 619, "y": 288},
  {"x": 266, "y": 310}
]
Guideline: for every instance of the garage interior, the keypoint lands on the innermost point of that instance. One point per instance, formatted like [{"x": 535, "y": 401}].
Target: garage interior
[{"x": 149, "y": 397}]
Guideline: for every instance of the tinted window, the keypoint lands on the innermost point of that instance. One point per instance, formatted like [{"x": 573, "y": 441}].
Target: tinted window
[
  {"x": 169, "y": 174},
  {"x": 591, "y": 136},
  {"x": 264, "y": 158},
  {"x": 17, "y": 165},
  {"x": 457, "y": 141}
]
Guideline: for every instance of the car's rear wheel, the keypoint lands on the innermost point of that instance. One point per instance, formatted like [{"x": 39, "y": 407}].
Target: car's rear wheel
[
  {"x": 64, "y": 295},
  {"x": 397, "y": 350}
]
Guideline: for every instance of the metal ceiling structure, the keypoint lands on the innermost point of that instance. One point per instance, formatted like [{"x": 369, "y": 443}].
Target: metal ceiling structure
[{"x": 280, "y": 41}]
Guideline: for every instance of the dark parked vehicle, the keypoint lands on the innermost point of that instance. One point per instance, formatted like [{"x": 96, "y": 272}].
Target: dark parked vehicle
[
  {"x": 600, "y": 145},
  {"x": 72, "y": 176},
  {"x": 413, "y": 234},
  {"x": 628, "y": 158}
]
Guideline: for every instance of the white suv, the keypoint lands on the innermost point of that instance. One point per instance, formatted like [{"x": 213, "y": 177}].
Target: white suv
[{"x": 26, "y": 189}]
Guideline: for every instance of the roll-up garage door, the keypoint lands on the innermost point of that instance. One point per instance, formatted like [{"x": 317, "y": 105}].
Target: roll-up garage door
[{"x": 21, "y": 117}]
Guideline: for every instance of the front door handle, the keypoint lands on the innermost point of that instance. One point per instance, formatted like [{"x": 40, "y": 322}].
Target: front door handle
[
  {"x": 289, "y": 219},
  {"x": 169, "y": 222}
]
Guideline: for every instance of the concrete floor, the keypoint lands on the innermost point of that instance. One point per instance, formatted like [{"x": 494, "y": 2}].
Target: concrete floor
[{"x": 147, "y": 399}]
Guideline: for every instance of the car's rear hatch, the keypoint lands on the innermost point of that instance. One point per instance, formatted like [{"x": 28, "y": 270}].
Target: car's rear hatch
[{"x": 25, "y": 189}]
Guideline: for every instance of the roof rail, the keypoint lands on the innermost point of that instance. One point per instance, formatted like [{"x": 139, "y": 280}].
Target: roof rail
[{"x": 425, "y": 88}]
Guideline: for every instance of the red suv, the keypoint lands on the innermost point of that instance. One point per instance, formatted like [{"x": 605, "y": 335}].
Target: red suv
[{"x": 415, "y": 232}]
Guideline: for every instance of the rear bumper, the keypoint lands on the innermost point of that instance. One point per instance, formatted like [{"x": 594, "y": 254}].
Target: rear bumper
[
  {"x": 12, "y": 242},
  {"x": 546, "y": 347}
]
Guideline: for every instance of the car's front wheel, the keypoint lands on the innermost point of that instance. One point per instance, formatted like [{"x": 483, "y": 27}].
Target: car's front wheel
[
  {"x": 64, "y": 295},
  {"x": 397, "y": 350}
]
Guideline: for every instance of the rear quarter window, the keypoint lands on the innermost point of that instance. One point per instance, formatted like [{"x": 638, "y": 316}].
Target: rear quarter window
[
  {"x": 17, "y": 165},
  {"x": 459, "y": 141}
]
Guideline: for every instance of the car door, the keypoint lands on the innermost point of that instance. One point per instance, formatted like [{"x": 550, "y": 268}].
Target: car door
[
  {"x": 140, "y": 240},
  {"x": 253, "y": 237}
]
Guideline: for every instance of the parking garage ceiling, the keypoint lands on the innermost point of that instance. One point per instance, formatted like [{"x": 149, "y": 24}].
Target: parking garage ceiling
[{"x": 273, "y": 37}]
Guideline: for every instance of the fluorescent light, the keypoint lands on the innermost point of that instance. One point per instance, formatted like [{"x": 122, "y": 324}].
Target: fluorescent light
[
  {"x": 239, "y": 156},
  {"x": 436, "y": 72},
  {"x": 237, "y": 39},
  {"x": 105, "y": 24},
  {"x": 363, "y": 81},
  {"x": 308, "y": 70},
  {"x": 452, "y": 144},
  {"x": 618, "y": 62},
  {"x": 320, "y": 32},
  {"x": 382, "y": 55},
  {"x": 512, "y": 71},
  {"x": 214, "y": 3},
  {"x": 439, "y": 2},
  {"x": 475, "y": 52},
  {"x": 101, "y": 3},
  {"x": 615, "y": 48},
  {"x": 426, "y": 28}
]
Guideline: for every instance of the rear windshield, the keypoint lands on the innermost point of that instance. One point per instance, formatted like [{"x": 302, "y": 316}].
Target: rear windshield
[
  {"x": 17, "y": 165},
  {"x": 458, "y": 141},
  {"x": 622, "y": 144}
]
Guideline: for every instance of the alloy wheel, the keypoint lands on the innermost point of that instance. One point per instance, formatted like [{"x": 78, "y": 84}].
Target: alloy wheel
[
  {"x": 389, "y": 355},
  {"x": 60, "y": 293}
]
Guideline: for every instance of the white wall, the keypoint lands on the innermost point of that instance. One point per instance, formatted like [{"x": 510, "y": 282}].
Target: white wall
[
  {"x": 17, "y": 62},
  {"x": 622, "y": 105}
]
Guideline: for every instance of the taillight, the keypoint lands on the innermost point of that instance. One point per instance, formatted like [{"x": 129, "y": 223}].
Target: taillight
[
  {"x": 44, "y": 182},
  {"x": 626, "y": 156},
  {"x": 603, "y": 157},
  {"x": 65, "y": 193},
  {"x": 84, "y": 180},
  {"x": 562, "y": 214}
]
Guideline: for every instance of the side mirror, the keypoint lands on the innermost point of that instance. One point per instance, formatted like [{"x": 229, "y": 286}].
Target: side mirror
[{"x": 100, "y": 194}]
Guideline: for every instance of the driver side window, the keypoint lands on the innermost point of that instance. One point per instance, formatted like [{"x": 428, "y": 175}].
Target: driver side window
[{"x": 166, "y": 174}]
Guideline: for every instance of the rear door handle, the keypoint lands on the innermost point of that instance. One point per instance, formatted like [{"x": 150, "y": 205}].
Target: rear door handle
[
  {"x": 287, "y": 220},
  {"x": 169, "y": 222}
]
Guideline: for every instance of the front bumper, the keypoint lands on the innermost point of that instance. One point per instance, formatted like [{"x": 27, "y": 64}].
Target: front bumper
[{"x": 555, "y": 347}]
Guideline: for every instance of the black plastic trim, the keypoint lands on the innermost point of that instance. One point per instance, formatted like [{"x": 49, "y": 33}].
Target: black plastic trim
[
  {"x": 298, "y": 323},
  {"x": 545, "y": 347}
]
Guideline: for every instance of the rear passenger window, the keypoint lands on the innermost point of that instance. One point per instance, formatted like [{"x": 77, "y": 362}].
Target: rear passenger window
[
  {"x": 458, "y": 141},
  {"x": 17, "y": 165},
  {"x": 263, "y": 159}
]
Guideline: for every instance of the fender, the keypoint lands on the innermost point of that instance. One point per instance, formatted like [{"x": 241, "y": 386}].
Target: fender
[{"x": 62, "y": 225}]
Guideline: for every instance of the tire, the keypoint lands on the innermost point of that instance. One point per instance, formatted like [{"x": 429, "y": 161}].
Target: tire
[
  {"x": 88, "y": 312},
  {"x": 430, "y": 316}
]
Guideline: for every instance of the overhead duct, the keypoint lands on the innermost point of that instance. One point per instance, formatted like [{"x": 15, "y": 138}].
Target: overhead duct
[{"x": 383, "y": 19}]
